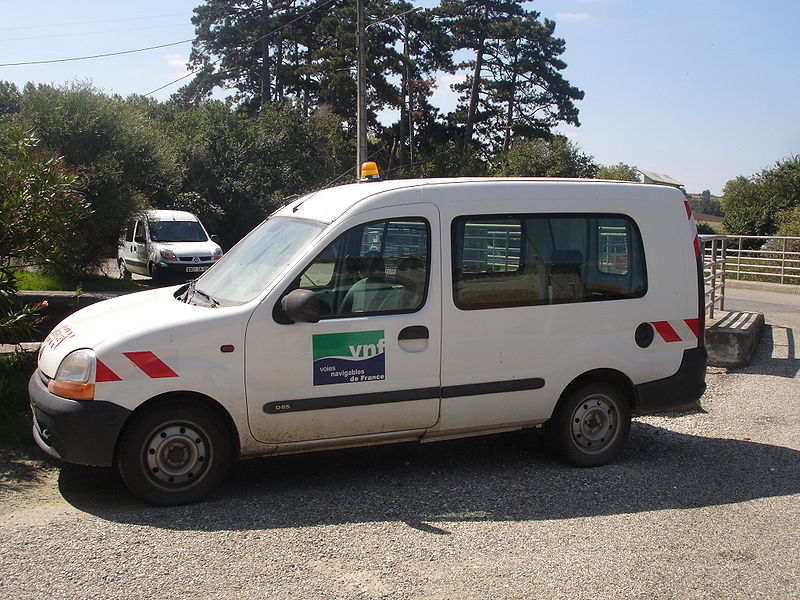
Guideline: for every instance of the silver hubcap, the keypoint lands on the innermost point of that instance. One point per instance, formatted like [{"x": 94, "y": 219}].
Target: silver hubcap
[
  {"x": 177, "y": 454},
  {"x": 594, "y": 424}
]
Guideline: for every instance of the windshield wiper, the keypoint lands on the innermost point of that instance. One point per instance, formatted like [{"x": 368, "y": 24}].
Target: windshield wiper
[
  {"x": 212, "y": 302},
  {"x": 188, "y": 293},
  {"x": 191, "y": 291}
]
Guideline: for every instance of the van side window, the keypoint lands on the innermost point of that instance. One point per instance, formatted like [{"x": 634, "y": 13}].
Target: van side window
[
  {"x": 526, "y": 260},
  {"x": 140, "y": 236},
  {"x": 380, "y": 267},
  {"x": 128, "y": 231}
]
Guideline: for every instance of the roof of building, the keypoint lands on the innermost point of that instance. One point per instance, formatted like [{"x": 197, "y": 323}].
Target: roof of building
[
  {"x": 706, "y": 218},
  {"x": 660, "y": 178}
]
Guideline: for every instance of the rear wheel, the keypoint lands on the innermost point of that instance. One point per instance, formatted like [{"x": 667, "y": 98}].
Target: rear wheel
[
  {"x": 175, "y": 453},
  {"x": 591, "y": 425}
]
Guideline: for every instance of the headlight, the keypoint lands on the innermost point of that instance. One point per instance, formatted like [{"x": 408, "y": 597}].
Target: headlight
[
  {"x": 217, "y": 253},
  {"x": 168, "y": 254},
  {"x": 75, "y": 376}
]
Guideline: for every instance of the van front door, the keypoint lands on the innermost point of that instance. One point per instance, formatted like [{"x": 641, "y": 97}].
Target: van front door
[
  {"x": 137, "y": 249},
  {"x": 371, "y": 365}
]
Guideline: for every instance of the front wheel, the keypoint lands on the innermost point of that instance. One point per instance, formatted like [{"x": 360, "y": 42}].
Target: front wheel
[
  {"x": 174, "y": 453},
  {"x": 123, "y": 271},
  {"x": 154, "y": 273},
  {"x": 590, "y": 426}
]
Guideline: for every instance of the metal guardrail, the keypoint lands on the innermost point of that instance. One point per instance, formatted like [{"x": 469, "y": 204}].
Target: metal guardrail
[
  {"x": 714, "y": 257},
  {"x": 774, "y": 259},
  {"x": 765, "y": 258}
]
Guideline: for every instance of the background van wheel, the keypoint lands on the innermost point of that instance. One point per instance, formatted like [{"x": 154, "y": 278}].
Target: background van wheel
[
  {"x": 590, "y": 426},
  {"x": 123, "y": 272},
  {"x": 174, "y": 453},
  {"x": 154, "y": 273}
]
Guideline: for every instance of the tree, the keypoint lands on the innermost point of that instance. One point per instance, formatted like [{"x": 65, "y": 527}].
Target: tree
[
  {"x": 450, "y": 159},
  {"x": 303, "y": 50},
  {"x": 554, "y": 157},
  {"x": 126, "y": 161},
  {"x": 425, "y": 48},
  {"x": 238, "y": 168},
  {"x": 789, "y": 225},
  {"x": 526, "y": 95},
  {"x": 515, "y": 86},
  {"x": 9, "y": 99},
  {"x": 42, "y": 204},
  {"x": 618, "y": 172},
  {"x": 758, "y": 205}
]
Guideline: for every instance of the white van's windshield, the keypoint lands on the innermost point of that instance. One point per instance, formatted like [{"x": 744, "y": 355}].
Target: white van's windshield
[
  {"x": 177, "y": 231},
  {"x": 251, "y": 265}
]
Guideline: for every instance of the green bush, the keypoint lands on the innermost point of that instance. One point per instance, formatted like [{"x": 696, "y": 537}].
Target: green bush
[{"x": 15, "y": 414}]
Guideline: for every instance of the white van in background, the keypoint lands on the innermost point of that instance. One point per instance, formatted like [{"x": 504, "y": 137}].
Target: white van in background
[
  {"x": 407, "y": 310},
  {"x": 162, "y": 243}
]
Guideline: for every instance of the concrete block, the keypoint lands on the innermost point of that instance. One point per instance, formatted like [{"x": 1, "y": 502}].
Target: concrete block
[
  {"x": 731, "y": 341},
  {"x": 30, "y": 347}
]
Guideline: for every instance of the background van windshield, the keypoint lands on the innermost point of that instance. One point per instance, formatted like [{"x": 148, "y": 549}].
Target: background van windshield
[{"x": 177, "y": 231}]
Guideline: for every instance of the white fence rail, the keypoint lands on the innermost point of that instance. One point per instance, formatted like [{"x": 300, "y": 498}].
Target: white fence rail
[{"x": 752, "y": 257}]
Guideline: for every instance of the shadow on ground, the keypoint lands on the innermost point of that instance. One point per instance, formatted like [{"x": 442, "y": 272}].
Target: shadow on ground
[
  {"x": 502, "y": 477},
  {"x": 22, "y": 468},
  {"x": 775, "y": 354}
]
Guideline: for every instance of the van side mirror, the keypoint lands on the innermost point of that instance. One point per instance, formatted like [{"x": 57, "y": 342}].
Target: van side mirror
[{"x": 301, "y": 306}]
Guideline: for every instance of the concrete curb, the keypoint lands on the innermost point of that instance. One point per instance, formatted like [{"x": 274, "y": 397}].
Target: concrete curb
[
  {"x": 21, "y": 347},
  {"x": 778, "y": 288},
  {"x": 59, "y": 306}
]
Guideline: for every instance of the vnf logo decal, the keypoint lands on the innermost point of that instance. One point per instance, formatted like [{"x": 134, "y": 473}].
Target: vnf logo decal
[{"x": 349, "y": 357}]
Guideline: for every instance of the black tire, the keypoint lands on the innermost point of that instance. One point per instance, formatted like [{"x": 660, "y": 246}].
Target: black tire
[
  {"x": 174, "y": 453},
  {"x": 590, "y": 426},
  {"x": 123, "y": 272},
  {"x": 154, "y": 273}
]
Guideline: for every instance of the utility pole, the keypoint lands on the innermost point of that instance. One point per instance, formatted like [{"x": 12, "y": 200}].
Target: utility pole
[
  {"x": 266, "y": 92},
  {"x": 361, "y": 92}
]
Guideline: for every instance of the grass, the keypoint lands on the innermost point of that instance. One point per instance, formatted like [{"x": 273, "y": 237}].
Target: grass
[
  {"x": 769, "y": 270},
  {"x": 34, "y": 280},
  {"x": 15, "y": 413}
]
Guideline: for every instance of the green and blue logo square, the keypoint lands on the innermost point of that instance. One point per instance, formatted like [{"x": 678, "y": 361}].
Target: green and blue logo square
[{"x": 349, "y": 357}]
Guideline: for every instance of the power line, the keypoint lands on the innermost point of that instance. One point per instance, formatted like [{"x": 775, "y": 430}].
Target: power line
[
  {"x": 62, "y": 25},
  {"x": 158, "y": 89},
  {"x": 96, "y": 32},
  {"x": 271, "y": 32},
  {"x": 60, "y": 60}
]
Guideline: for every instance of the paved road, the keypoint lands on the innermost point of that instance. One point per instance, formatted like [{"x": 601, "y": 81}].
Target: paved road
[
  {"x": 766, "y": 301},
  {"x": 702, "y": 505}
]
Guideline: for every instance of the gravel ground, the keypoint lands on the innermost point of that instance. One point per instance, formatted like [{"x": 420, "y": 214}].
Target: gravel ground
[{"x": 701, "y": 505}]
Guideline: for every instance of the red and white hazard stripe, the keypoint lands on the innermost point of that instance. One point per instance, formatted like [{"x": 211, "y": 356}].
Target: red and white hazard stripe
[
  {"x": 684, "y": 330},
  {"x": 131, "y": 365},
  {"x": 693, "y": 228}
]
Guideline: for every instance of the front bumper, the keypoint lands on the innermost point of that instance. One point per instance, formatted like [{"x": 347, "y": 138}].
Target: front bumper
[
  {"x": 84, "y": 432},
  {"x": 183, "y": 268},
  {"x": 681, "y": 389}
]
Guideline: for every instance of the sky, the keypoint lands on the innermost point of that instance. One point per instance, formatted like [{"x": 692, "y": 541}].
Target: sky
[{"x": 701, "y": 90}]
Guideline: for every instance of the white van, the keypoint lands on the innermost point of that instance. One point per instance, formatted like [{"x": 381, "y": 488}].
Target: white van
[
  {"x": 386, "y": 312},
  {"x": 164, "y": 243}
]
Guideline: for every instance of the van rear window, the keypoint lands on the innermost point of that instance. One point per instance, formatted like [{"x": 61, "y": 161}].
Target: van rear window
[{"x": 526, "y": 260}]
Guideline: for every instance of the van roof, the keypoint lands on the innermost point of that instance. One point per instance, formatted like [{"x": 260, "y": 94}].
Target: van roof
[
  {"x": 171, "y": 215},
  {"x": 327, "y": 205}
]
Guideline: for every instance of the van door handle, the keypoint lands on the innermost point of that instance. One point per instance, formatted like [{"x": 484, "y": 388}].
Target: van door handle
[{"x": 415, "y": 332}]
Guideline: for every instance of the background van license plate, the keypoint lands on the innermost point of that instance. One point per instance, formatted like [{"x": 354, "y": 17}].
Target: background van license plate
[{"x": 196, "y": 269}]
